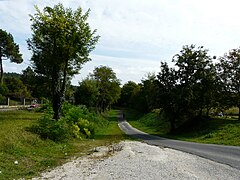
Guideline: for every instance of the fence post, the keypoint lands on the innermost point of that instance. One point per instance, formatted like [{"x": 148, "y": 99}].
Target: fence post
[
  {"x": 8, "y": 102},
  {"x": 24, "y": 102}
]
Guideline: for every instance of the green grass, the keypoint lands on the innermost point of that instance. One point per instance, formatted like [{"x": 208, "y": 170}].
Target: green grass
[
  {"x": 34, "y": 154},
  {"x": 214, "y": 131},
  {"x": 150, "y": 123},
  {"x": 112, "y": 133}
]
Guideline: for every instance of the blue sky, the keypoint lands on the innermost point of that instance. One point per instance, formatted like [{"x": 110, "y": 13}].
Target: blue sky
[{"x": 136, "y": 34}]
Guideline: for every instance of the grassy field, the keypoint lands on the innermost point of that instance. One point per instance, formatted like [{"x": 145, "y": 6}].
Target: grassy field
[
  {"x": 23, "y": 154},
  {"x": 215, "y": 130}
]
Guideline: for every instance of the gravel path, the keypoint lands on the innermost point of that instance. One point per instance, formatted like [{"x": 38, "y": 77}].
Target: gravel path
[{"x": 135, "y": 160}]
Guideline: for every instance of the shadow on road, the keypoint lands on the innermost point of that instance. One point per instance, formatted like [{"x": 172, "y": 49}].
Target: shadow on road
[{"x": 229, "y": 155}]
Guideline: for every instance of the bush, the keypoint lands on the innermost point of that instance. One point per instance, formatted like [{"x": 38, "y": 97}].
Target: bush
[
  {"x": 76, "y": 121},
  {"x": 3, "y": 89},
  {"x": 49, "y": 128},
  {"x": 3, "y": 100},
  {"x": 86, "y": 127},
  {"x": 79, "y": 117},
  {"x": 45, "y": 108}
]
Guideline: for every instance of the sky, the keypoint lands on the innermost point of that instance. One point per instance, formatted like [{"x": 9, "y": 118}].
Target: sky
[{"x": 136, "y": 35}]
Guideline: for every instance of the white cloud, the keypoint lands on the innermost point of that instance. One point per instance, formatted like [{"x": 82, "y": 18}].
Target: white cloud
[
  {"x": 125, "y": 68},
  {"x": 138, "y": 29}
]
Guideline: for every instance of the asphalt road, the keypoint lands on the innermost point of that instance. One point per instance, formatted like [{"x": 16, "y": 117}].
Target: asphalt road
[{"x": 229, "y": 155}]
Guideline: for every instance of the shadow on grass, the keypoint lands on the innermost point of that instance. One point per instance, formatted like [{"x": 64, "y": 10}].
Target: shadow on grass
[
  {"x": 114, "y": 137},
  {"x": 206, "y": 125},
  {"x": 208, "y": 130}
]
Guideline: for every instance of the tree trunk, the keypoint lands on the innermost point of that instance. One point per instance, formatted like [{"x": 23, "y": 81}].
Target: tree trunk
[
  {"x": 57, "y": 106},
  {"x": 239, "y": 112},
  {"x": 1, "y": 68},
  {"x": 56, "y": 94},
  {"x": 208, "y": 109},
  {"x": 58, "y": 87}
]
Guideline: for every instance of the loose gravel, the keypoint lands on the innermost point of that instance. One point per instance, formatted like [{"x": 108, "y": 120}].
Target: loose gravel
[{"x": 136, "y": 160}]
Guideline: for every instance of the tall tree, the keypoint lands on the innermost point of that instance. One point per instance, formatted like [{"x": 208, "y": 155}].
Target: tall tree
[
  {"x": 28, "y": 78},
  {"x": 229, "y": 76},
  {"x": 61, "y": 43},
  {"x": 36, "y": 83},
  {"x": 194, "y": 69},
  {"x": 87, "y": 93},
  {"x": 168, "y": 93},
  {"x": 127, "y": 94},
  {"x": 185, "y": 91},
  {"x": 150, "y": 90},
  {"x": 108, "y": 87},
  {"x": 16, "y": 88},
  {"x": 8, "y": 50}
]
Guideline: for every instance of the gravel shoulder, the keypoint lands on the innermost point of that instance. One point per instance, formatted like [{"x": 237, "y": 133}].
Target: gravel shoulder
[{"x": 137, "y": 160}]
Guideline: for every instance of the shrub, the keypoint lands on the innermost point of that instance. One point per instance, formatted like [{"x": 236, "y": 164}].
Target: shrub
[
  {"x": 80, "y": 119},
  {"x": 76, "y": 121},
  {"x": 49, "y": 128},
  {"x": 85, "y": 127},
  {"x": 46, "y": 108}
]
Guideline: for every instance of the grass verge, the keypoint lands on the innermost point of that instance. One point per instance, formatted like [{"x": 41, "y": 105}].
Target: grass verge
[
  {"x": 224, "y": 131},
  {"x": 23, "y": 154}
]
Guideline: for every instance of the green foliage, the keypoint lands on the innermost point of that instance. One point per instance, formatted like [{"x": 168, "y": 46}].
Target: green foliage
[
  {"x": 36, "y": 155},
  {"x": 184, "y": 91},
  {"x": 108, "y": 87},
  {"x": 153, "y": 122},
  {"x": 45, "y": 108},
  {"x": 3, "y": 90},
  {"x": 61, "y": 43},
  {"x": 87, "y": 93},
  {"x": 78, "y": 117},
  {"x": 16, "y": 88},
  {"x": 76, "y": 121},
  {"x": 35, "y": 83},
  {"x": 49, "y": 128},
  {"x": 12, "y": 74},
  {"x": 72, "y": 113},
  {"x": 129, "y": 92},
  {"x": 229, "y": 78},
  {"x": 8, "y": 50},
  {"x": 85, "y": 127},
  {"x": 101, "y": 89},
  {"x": 201, "y": 129}
]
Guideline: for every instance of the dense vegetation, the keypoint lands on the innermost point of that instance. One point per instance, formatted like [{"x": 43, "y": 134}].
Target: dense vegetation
[
  {"x": 24, "y": 154},
  {"x": 215, "y": 130},
  {"x": 61, "y": 42},
  {"x": 9, "y": 50},
  {"x": 195, "y": 87},
  {"x": 101, "y": 89},
  {"x": 178, "y": 102}
]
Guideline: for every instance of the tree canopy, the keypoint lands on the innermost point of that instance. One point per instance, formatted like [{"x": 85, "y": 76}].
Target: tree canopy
[
  {"x": 229, "y": 78},
  {"x": 8, "y": 50},
  {"x": 108, "y": 86},
  {"x": 61, "y": 42},
  {"x": 101, "y": 89}
]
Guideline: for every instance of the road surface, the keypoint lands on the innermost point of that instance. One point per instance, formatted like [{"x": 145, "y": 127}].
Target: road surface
[{"x": 229, "y": 155}]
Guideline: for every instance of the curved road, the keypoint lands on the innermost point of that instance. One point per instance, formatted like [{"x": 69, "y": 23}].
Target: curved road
[{"x": 229, "y": 155}]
